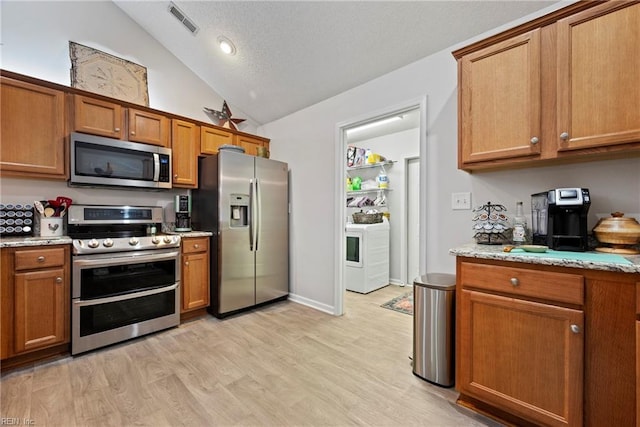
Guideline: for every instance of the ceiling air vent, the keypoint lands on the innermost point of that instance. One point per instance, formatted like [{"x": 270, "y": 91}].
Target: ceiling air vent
[{"x": 180, "y": 16}]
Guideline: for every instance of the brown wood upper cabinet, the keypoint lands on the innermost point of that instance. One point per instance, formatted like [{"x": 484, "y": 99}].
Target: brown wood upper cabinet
[
  {"x": 564, "y": 87},
  {"x": 185, "y": 138},
  {"x": 500, "y": 100},
  {"x": 598, "y": 80},
  {"x": 250, "y": 144},
  {"x": 33, "y": 130},
  {"x": 104, "y": 118},
  {"x": 211, "y": 139}
]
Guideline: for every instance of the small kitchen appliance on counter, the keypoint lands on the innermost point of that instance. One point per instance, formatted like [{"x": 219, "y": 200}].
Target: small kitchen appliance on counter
[
  {"x": 559, "y": 218},
  {"x": 183, "y": 213}
]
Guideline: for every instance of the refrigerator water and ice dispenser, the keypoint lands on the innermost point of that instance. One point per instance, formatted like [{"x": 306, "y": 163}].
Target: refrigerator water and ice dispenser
[{"x": 239, "y": 204}]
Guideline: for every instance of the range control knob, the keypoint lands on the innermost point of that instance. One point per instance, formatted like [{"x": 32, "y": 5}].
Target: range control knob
[
  {"x": 168, "y": 239},
  {"x": 133, "y": 241},
  {"x": 93, "y": 243},
  {"x": 155, "y": 240},
  {"x": 107, "y": 243}
]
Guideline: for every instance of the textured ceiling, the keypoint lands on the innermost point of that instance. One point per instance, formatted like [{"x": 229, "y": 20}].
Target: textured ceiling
[{"x": 291, "y": 55}]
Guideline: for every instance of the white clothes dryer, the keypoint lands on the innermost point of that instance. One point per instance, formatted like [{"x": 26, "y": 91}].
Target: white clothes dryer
[{"x": 367, "y": 256}]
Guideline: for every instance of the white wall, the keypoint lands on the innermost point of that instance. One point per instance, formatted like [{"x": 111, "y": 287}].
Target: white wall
[
  {"x": 306, "y": 140},
  {"x": 397, "y": 146},
  {"x": 35, "y": 42}
]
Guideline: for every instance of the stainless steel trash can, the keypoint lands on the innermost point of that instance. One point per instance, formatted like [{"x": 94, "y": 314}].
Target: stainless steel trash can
[{"x": 433, "y": 328}]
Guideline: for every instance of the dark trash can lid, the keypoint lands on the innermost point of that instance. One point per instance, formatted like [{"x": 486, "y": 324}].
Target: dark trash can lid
[{"x": 440, "y": 281}]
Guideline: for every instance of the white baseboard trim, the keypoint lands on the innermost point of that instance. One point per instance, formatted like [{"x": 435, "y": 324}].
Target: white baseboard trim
[{"x": 311, "y": 303}]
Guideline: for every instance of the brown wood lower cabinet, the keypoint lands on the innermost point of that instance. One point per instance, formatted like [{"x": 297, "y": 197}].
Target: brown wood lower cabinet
[
  {"x": 195, "y": 273},
  {"x": 35, "y": 299},
  {"x": 544, "y": 345}
]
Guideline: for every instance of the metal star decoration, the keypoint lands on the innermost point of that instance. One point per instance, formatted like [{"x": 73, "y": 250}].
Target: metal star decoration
[{"x": 224, "y": 117}]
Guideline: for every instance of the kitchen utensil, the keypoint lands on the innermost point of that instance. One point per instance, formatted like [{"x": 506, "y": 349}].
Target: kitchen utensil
[
  {"x": 65, "y": 200},
  {"x": 39, "y": 207},
  {"x": 49, "y": 212},
  {"x": 533, "y": 248}
]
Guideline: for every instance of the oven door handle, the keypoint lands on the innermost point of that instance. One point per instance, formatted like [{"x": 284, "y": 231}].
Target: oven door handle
[
  {"x": 104, "y": 262},
  {"x": 126, "y": 297}
]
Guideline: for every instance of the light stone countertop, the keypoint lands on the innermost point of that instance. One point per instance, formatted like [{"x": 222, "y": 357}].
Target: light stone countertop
[
  {"x": 185, "y": 234},
  {"x": 17, "y": 242},
  {"x": 586, "y": 260},
  {"x": 26, "y": 241}
]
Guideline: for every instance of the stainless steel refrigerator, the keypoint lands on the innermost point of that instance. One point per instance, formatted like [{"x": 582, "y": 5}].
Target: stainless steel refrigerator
[{"x": 244, "y": 201}]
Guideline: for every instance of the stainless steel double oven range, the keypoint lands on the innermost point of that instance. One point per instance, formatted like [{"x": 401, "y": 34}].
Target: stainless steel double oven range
[{"x": 126, "y": 279}]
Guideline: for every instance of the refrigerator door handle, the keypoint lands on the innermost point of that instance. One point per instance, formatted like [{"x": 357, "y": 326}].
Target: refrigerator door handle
[
  {"x": 258, "y": 213},
  {"x": 251, "y": 214}
]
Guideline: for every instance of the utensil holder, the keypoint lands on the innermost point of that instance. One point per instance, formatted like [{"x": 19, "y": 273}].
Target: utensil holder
[{"x": 51, "y": 227}]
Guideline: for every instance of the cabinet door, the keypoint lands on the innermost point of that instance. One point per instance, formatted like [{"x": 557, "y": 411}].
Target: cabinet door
[
  {"x": 637, "y": 372},
  {"x": 598, "y": 83},
  {"x": 500, "y": 101},
  {"x": 98, "y": 117},
  {"x": 522, "y": 356},
  {"x": 249, "y": 144},
  {"x": 211, "y": 139},
  {"x": 185, "y": 138},
  {"x": 195, "y": 279},
  {"x": 33, "y": 130},
  {"x": 41, "y": 304},
  {"x": 149, "y": 128}
]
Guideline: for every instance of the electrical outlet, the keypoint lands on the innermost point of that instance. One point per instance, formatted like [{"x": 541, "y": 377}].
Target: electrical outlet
[{"x": 461, "y": 201}]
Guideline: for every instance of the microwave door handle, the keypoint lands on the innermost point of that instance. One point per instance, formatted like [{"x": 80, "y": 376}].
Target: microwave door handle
[{"x": 156, "y": 167}]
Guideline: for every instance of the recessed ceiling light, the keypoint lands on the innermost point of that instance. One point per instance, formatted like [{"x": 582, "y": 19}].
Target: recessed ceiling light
[{"x": 226, "y": 45}]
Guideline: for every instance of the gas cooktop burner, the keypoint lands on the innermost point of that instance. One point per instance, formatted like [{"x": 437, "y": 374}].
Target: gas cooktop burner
[
  {"x": 98, "y": 229},
  {"x": 92, "y": 246}
]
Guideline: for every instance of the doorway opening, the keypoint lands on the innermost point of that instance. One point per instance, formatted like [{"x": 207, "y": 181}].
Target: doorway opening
[{"x": 399, "y": 135}]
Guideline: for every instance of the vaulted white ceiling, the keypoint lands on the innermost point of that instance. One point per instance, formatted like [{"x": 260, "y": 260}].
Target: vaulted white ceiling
[{"x": 293, "y": 54}]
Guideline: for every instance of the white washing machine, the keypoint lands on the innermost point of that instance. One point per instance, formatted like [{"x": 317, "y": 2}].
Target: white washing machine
[{"x": 367, "y": 256}]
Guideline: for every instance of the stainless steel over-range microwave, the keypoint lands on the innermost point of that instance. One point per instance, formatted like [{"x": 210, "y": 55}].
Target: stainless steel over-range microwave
[{"x": 97, "y": 160}]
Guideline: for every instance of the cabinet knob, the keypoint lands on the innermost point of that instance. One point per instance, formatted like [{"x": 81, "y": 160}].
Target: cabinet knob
[
  {"x": 58, "y": 279},
  {"x": 535, "y": 140},
  {"x": 40, "y": 258},
  {"x": 514, "y": 281},
  {"x": 196, "y": 246},
  {"x": 186, "y": 263},
  {"x": 575, "y": 329},
  {"x": 117, "y": 129},
  {"x": 175, "y": 176},
  {"x": 133, "y": 132},
  {"x": 564, "y": 136}
]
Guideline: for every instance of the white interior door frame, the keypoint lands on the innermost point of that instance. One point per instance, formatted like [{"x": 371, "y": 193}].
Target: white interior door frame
[
  {"x": 407, "y": 277},
  {"x": 340, "y": 188}
]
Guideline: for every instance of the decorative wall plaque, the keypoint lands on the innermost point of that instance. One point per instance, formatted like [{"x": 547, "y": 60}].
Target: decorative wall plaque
[{"x": 108, "y": 75}]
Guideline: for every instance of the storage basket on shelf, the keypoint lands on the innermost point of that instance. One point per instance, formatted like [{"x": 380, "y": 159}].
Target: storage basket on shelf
[{"x": 365, "y": 218}]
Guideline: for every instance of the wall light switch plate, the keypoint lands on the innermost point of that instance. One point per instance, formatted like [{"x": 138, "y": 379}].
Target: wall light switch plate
[{"x": 461, "y": 201}]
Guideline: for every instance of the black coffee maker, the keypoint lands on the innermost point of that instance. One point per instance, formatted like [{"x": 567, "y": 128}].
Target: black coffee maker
[
  {"x": 183, "y": 213},
  {"x": 559, "y": 219}
]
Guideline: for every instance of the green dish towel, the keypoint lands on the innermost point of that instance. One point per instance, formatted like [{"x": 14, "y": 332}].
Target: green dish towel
[{"x": 575, "y": 256}]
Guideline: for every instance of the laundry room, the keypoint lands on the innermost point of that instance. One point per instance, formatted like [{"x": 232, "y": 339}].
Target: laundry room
[{"x": 382, "y": 188}]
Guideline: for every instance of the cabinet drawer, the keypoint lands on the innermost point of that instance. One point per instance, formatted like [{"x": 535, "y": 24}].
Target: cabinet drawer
[
  {"x": 560, "y": 287},
  {"x": 195, "y": 244},
  {"x": 39, "y": 258}
]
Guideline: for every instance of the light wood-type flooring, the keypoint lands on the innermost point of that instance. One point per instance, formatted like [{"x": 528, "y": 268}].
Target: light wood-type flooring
[{"x": 282, "y": 365}]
